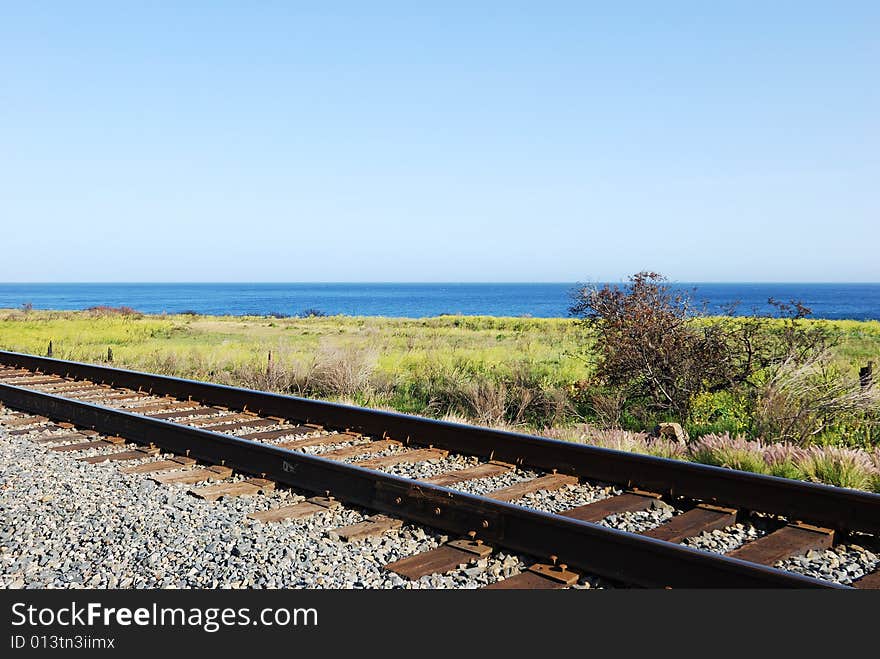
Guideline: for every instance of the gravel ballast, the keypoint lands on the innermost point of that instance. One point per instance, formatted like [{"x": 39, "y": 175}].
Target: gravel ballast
[
  {"x": 843, "y": 563},
  {"x": 565, "y": 498},
  {"x": 68, "y": 524},
  {"x": 726, "y": 540}
]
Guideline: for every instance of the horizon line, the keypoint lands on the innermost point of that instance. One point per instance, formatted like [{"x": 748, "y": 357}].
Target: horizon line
[{"x": 373, "y": 283}]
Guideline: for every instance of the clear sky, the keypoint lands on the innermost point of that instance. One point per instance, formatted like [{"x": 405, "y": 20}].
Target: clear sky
[{"x": 472, "y": 141}]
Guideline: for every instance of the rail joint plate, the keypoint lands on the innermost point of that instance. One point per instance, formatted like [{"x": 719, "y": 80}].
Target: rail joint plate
[{"x": 442, "y": 510}]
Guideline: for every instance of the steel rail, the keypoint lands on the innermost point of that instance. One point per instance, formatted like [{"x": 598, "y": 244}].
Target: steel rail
[
  {"x": 833, "y": 507},
  {"x": 610, "y": 553}
]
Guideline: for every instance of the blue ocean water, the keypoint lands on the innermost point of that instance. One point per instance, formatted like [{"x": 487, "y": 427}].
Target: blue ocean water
[{"x": 856, "y": 301}]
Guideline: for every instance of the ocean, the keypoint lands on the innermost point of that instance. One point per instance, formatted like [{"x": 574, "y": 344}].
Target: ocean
[{"x": 855, "y": 301}]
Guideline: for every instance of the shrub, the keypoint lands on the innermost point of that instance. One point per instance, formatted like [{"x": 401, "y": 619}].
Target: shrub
[
  {"x": 732, "y": 452},
  {"x": 838, "y": 466},
  {"x": 718, "y": 412},
  {"x": 783, "y": 460},
  {"x": 842, "y": 467},
  {"x": 104, "y": 310},
  {"x": 274, "y": 374},
  {"x": 483, "y": 399},
  {"x": 603, "y": 404},
  {"x": 343, "y": 371},
  {"x": 519, "y": 395},
  {"x": 802, "y": 400},
  {"x": 617, "y": 439},
  {"x": 658, "y": 359},
  {"x": 665, "y": 448},
  {"x": 649, "y": 348}
]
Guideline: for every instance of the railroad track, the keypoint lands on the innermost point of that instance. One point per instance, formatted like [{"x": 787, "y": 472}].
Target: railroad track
[{"x": 485, "y": 488}]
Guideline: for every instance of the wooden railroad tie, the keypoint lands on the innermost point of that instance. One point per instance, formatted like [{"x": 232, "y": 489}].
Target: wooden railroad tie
[
  {"x": 84, "y": 446},
  {"x": 56, "y": 439},
  {"x": 299, "y": 510},
  {"x": 628, "y": 502},
  {"x": 70, "y": 390},
  {"x": 790, "y": 540},
  {"x": 182, "y": 414},
  {"x": 24, "y": 421},
  {"x": 9, "y": 372},
  {"x": 360, "y": 449},
  {"x": 485, "y": 470},
  {"x": 21, "y": 432},
  {"x": 295, "y": 431},
  {"x": 451, "y": 556},
  {"x": 540, "y": 576},
  {"x": 518, "y": 490},
  {"x": 248, "y": 487},
  {"x": 320, "y": 440},
  {"x": 253, "y": 422},
  {"x": 36, "y": 382},
  {"x": 134, "y": 454},
  {"x": 171, "y": 464},
  {"x": 110, "y": 395},
  {"x": 703, "y": 518},
  {"x": 870, "y": 581},
  {"x": 417, "y": 455},
  {"x": 193, "y": 476},
  {"x": 370, "y": 527},
  {"x": 146, "y": 408},
  {"x": 219, "y": 420}
]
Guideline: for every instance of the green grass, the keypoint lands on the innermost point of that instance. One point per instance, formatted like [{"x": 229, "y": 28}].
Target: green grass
[
  {"x": 858, "y": 341},
  {"x": 732, "y": 457},
  {"x": 236, "y": 339},
  {"x": 496, "y": 371},
  {"x": 414, "y": 364}
]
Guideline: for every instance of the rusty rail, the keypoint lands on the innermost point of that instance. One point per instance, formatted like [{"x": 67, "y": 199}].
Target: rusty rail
[
  {"x": 833, "y": 507},
  {"x": 603, "y": 551}
]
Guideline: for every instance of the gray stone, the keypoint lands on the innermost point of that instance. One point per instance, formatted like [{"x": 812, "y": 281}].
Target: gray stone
[{"x": 671, "y": 431}]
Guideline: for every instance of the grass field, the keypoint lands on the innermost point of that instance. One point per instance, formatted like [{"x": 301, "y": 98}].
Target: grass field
[
  {"x": 503, "y": 372},
  {"x": 411, "y": 365},
  {"x": 393, "y": 361}
]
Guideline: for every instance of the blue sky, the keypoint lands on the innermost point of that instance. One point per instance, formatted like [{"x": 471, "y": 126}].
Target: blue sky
[{"x": 285, "y": 141}]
